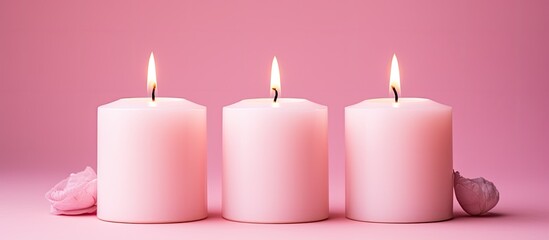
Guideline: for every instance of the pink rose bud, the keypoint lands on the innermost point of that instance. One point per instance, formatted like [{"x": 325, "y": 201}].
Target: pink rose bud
[
  {"x": 476, "y": 196},
  {"x": 75, "y": 195}
]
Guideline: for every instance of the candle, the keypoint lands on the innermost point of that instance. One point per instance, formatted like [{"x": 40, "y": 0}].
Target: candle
[
  {"x": 275, "y": 159},
  {"x": 399, "y": 158},
  {"x": 151, "y": 159}
]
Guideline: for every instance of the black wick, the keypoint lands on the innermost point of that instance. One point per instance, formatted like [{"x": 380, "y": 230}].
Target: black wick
[
  {"x": 396, "y": 94},
  {"x": 276, "y": 94},
  {"x": 154, "y": 89}
]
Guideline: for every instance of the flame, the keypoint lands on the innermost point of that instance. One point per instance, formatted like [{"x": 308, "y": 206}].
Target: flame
[
  {"x": 394, "y": 79},
  {"x": 275, "y": 77},
  {"x": 151, "y": 75}
]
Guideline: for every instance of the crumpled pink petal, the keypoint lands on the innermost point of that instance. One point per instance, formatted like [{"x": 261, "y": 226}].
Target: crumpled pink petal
[
  {"x": 75, "y": 195},
  {"x": 476, "y": 196},
  {"x": 91, "y": 209}
]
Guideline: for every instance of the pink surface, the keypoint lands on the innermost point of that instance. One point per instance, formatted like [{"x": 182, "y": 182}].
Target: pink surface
[
  {"x": 24, "y": 215},
  {"x": 486, "y": 59}
]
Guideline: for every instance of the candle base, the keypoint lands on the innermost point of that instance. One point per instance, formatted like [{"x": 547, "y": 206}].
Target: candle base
[
  {"x": 138, "y": 221},
  {"x": 443, "y": 219},
  {"x": 276, "y": 222}
]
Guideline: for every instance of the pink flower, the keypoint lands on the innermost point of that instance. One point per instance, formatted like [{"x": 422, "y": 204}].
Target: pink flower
[
  {"x": 476, "y": 196},
  {"x": 75, "y": 195}
]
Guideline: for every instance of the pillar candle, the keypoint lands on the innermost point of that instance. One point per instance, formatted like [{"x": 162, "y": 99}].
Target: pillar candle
[
  {"x": 399, "y": 159},
  {"x": 151, "y": 160},
  {"x": 275, "y": 160}
]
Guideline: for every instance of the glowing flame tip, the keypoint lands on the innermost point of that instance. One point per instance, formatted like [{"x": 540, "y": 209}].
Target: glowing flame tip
[
  {"x": 394, "y": 79},
  {"x": 275, "y": 77},
  {"x": 151, "y": 74}
]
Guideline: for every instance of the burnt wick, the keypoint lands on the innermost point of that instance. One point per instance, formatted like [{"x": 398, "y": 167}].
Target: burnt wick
[
  {"x": 153, "y": 93},
  {"x": 276, "y": 94},
  {"x": 396, "y": 94}
]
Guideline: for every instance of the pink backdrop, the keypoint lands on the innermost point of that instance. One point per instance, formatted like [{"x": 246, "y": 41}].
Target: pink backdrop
[{"x": 487, "y": 59}]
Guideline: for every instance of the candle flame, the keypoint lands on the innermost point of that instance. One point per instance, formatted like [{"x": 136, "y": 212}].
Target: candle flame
[
  {"x": 275, "y": 77},
  {"x": 151, "y": 75},
  {"x": 394, "y": 79}
]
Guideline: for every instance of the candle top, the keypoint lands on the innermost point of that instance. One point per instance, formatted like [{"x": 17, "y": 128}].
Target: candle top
[
  {"x": 159, "y": 103},
  {"x": 282, "y": 103},
  {"x": 403, "y": 103}
]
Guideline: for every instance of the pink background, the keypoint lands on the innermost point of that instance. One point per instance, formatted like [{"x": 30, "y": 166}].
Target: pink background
[{"x": 60, "y": 60}]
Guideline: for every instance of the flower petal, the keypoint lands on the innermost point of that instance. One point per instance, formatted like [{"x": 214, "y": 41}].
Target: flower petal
[
  {"x": 77, "y": 192},
  {"x": 91, "y": 209},
  {"x": 476, "y": 196}
]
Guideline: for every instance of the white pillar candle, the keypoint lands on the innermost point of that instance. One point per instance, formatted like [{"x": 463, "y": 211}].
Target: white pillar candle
[
  {"x": 275, "y": 159},
  {"x": 151, "y": 160},
  {"x": 399, "y": 159}
]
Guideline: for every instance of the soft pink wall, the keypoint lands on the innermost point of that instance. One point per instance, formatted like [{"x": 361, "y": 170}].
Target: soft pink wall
[{"x": 488, "y": 59}]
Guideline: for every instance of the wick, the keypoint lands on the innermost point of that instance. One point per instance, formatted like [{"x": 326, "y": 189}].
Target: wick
[
  {"x": 153, "y": 96},
  {"x": 276, "y": 94},
  {"x": 396, "y": 94}
]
